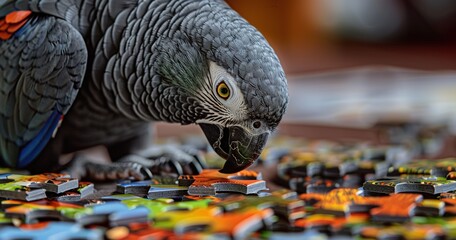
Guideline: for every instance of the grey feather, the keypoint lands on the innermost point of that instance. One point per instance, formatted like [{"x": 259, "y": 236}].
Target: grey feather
[{"x": 33, "y": 90}]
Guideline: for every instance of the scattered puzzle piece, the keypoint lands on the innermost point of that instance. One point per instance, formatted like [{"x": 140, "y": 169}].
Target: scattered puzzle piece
[
  {"x": 51, "y": 230},
  {"x": 312, "y": 185},
  {"x": 430, "y": 208},
  {"x": 210, "y": 182},
  {"x": 158, "y": 206},
  {"x": 33, "y": 187},
  {"x": 437, "y": 167},
  {"x": 30, "y": 212},
  {"x": 113, "y": 214},
  {"x": 288, "y": 209},
  {"x": 139, "y": 188},
  {"x": 429, "y": 185},
  {"x": 395, "y": 208},
  {"x": 84, "y": 190},
  {"x": 166, "y": 191}
]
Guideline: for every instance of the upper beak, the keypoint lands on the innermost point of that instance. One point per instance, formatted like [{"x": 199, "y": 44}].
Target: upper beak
[{"x": 239, "y": 147}]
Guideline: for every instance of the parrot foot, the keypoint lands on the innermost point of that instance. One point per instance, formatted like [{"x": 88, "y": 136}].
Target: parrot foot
[
  {"x": 83, "y": 167},
  {"x": 168, "y": 160}
]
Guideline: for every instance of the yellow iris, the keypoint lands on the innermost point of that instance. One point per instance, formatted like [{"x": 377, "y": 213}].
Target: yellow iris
[{"x": 223, "y": 91}]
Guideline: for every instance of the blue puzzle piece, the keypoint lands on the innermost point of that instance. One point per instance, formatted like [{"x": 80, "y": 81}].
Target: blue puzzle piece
[
  {"x": 53, "y": 231},
  {"x": 137, "y": 187},
  {"x": 114, "y": 214}
]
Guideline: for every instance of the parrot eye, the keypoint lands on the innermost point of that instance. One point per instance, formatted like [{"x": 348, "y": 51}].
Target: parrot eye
[
  {"x": 223, "y": 90},
  {"x": 257, "y": 124}
]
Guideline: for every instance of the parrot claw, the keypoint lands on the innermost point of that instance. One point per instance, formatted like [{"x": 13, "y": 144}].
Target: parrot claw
[
  {"x": 84, "y": 168},
  {"x": 169, "y": 160}
]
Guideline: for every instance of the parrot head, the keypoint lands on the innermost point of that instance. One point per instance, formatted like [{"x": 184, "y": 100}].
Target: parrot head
[{"x": 234, "y": 86}]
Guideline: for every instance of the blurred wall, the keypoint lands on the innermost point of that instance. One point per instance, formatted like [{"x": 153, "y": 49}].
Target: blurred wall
[{"x": 317, "y": 35}]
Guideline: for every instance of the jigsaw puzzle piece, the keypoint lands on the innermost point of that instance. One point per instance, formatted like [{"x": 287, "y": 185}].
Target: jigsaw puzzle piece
[
  {"x": 429, "y": 185},
  {"x": 210, "y": 182},
  {"x": 287, "y": 209},
  {"x": 170, "y": 219},
  {"x": 158, "y": 187},
  {"x": 394, "y": 208},
  {"x": 55, "y": 182},
  {"x": 312, "y": 185},
  {"x": 430, "y": 208},
  {"x": 166, "y": 191},
  {"x": 239, "y": 225},
  {"x": 139, "y": 188},
  {"x": 377, "y": 167},
  {"x": 31, "y": 212},
  {"x": 51, "y": 230},
  {"x": 84, "y": 190},
  {"x": 113, "y": 214},
  {"x": 437, "y": 167},
  {"x": 33, "y": 187},
  {"x": 10, "y": 189},
  {"x": 337, "y": 202},
  {"x": 345, "y": 201},
  {"x": 158, "y": 206}
]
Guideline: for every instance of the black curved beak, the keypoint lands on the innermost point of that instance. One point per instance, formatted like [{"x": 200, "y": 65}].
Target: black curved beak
[{"x": 239, "y": 147}]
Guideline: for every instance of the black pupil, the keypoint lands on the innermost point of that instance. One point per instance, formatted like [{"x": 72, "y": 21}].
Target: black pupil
[
  {"x": 224, "y": 90},
  {"x": 257, "y": 124}
]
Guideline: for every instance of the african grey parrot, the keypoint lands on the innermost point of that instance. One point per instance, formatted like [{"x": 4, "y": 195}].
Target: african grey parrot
[{"x": 80, "y": 73}]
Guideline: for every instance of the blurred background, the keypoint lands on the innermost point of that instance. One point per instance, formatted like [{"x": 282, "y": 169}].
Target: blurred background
[
  {"x": 320, "y": 35},
  {"x": 357, "y": 69}
]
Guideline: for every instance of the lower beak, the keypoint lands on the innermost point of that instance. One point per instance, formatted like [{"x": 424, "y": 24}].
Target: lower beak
[{"x": 239, "y": 147}]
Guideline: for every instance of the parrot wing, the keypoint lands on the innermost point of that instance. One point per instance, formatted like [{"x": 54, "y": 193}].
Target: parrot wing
[{"x": 42, "y": 65}]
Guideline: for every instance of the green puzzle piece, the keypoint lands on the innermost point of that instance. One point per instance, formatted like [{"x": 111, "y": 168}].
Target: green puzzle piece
[
  {"x": 437, "y": 167},
  {"x": 291, "y": 208},
  {"x": 158, "y": 206},
  {"x": 430, "y": 185},
  {"x": 28, "y": 211}
]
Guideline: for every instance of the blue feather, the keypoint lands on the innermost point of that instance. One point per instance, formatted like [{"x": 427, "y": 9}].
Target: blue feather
[
  {"x": 30, "y": 151},
  {"x": 22, "y": 29}
]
